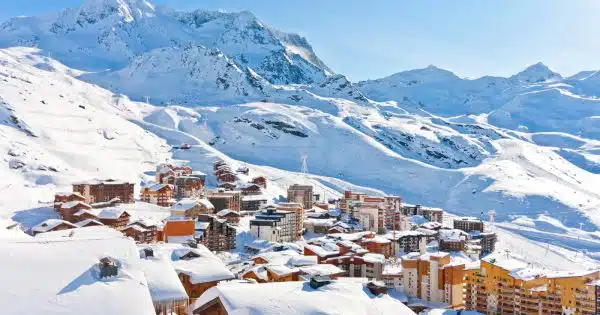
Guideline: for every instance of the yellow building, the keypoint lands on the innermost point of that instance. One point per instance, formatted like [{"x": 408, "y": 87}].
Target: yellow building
[
  {"x": 507, "y": 285},
  {"x": 432, "y": 277}
]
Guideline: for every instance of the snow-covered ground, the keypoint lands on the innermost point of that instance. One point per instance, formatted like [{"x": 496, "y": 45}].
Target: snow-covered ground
[{"x": 525, "y": 146}]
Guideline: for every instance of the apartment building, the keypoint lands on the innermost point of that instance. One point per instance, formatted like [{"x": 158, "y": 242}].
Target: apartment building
[
  {"x": 302, "y": 194},
  {"x": 105, "y": 190},
  {"x": 507, "y": 285},
  {"x": 432, "y": 277},
  {"x": 469, "y": 224},
  {"x": 298, "y": 210},
  {"x": 275, "y": 226}
]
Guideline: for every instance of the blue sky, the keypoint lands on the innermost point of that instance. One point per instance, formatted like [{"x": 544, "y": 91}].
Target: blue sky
[{"x": 372, "y": 39}]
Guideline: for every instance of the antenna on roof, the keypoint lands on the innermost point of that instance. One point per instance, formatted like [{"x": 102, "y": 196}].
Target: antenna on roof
[{"x": 507, "y": 252}]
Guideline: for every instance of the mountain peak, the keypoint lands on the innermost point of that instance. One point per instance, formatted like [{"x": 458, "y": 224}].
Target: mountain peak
[
  {"x": 537, "y": 72},
  {"x": 126, "y": 9}
]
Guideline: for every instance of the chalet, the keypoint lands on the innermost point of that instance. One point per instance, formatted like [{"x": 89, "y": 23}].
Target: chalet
[
  {"x": 141, "y": 231},
  {"x": 67, "y": 210},
  {"x": 227, "y": 185},
  {"x": 191, "y": 208},
  {"x": 222, "y": 199},
  {"x": 368, "y": 265},
  {"x": 198, "y": 269},
  {"x": 165, "y": 170},
  {"x": 88, "y": 223},
  {"x": 257, "y": 273},
  {"x": 217, "y": 235},
  {"x": 61, "y": 198},
  {"x": 116, "y": 218},
  {"x": 243, "y": 170},
  {"x": 222, "y": 170},
  {"x": 318, "y": 296},
  {"x": 260, "y": 181},
  {"x": 111, "y": 203},
  {"x": 316, "y": 225},
  {"x": 178, "y": 230},
  {"x": 253, "y": 202},
  {"x": 158, "y": 194},
  {"x": 282, "y": 273},
  {"x": 250, "y": 189},
  {"x": 167, "y": 292},
  {"x": 83, "y": 215},
  {"x": 51, "y": 225},
  {"x": 232, "y": 217},
  {"x": 218, "y": 163},
  {"x": 105, "y": 190},
  {"x": 189, "y": 186},
  {"x": 408, "y": 241},
  {"x": 227, "y": 177}
]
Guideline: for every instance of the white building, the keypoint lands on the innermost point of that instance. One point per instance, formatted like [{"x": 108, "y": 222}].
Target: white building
[{"x": 275, "y": 226}]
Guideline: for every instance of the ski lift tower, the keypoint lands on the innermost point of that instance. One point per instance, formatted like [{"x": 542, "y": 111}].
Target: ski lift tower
[{"x": 304, "y": 167}]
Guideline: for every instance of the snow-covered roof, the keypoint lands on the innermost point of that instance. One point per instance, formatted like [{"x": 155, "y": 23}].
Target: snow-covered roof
[
  {"x": 346, "y": 296},
  {"x": 260, "y": 271},
  {"x": 302, "y": 260},
  {"x": 319, "y": 222},
  {"x": 88, "y": 221},
  {"x": 50, "y": 224},
  {"x": 69, "y": 193},
  {"x": 323, "y": 250},
  {"x": 185, "y": 204},
  {"x": 374, "y": 258},
  {"x": 278, "y": 257},
  {"x": 395, "y": 235},
  {"x": 453, "y": 235},
  {"x": 180, "y": 239},
  {"x": 60, "y": 276},
  {"x": 376, "y": 239},
  {"x": 71, "y": 204},
  {"x": 321, "y": 270},
  {"x": 163, "y": 282},
  {"x": 254, "y": 198},
  {"x": 157, "y": 187},
  {"x": 444, "y": 311},
  {"x": 93, "y": 232},
  {"x": 225, "y": 212},
  {"x": 200, "y": 225},
  {"x": 205, "y": 268},
  {"x": 82, "y": 212},
  {"x": 111, "y": 213},
  {"x": 206, "y": 203},
  {"x": 281, "y": 270}
]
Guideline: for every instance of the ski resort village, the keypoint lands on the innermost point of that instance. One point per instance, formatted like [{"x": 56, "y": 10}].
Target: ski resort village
[{"x": 157, "y": 161}]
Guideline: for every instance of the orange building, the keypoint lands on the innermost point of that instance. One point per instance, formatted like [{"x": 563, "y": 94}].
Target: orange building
[
  {"x": 178, "y": 230},
  {"x": 506, "y": 285}
]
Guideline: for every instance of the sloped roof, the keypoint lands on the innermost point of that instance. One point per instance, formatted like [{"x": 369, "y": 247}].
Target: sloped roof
[
  {"x": 60, "y": 276},
  {"x": 344, "y": 296},
  {"x": 111, "y": 213},
  {"x": 50, "y": 224}
]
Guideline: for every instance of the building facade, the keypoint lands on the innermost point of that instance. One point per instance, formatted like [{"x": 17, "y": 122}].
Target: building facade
[
  {"x": 505, "y": 285},
  {"x": 105, "y": 190},
  {"x": 433, "y": 278},
  {"x": 302, "y": 194}
]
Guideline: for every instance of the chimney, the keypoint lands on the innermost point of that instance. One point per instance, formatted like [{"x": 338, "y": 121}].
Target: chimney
[
  {"x": 108, "y": 268},
  {"x": 319, "y": 281},
  {"x": 377, "y": 287}
]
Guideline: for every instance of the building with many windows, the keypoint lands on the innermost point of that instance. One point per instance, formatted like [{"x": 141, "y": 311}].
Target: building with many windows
[
  {"x": 432, "y": 277},
  {"x": 505, "y": 284}
]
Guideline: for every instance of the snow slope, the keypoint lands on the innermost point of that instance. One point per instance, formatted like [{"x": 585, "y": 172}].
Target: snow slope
[{"x": 237, "y": 89}]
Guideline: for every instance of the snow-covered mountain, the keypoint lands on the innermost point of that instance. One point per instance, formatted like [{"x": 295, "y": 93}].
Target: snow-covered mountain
[{"x": 235, "y": 88}]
